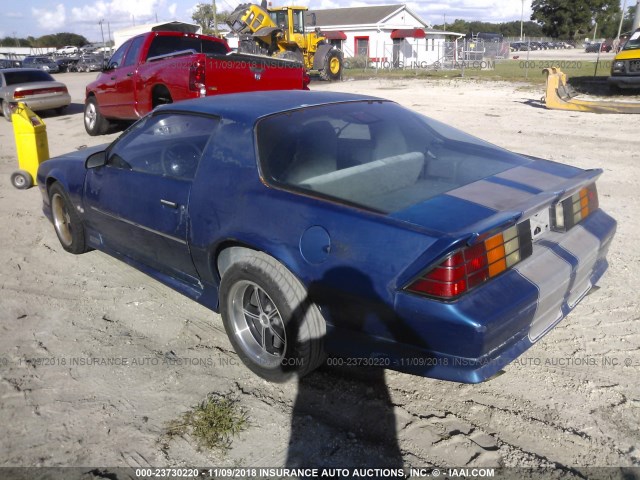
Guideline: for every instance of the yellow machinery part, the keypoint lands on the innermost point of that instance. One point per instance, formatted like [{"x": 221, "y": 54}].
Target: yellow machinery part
[
  {"x": 30, "y": 134},
  {"x": 559, "y": 96}
]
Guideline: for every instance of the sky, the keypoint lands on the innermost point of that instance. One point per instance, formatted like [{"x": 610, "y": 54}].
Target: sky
[{"x": 40, "y": 17}]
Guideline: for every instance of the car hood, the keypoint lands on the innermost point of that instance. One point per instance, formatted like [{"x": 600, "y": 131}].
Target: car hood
[
  {"x": 497, "y": 201},
  {"x": 77, "y": 157},
  {"x": 83, "y": 153}
]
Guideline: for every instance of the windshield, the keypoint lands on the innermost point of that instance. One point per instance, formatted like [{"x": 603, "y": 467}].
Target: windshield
[
  {"x": 633, "y": 43},
  {"x": 375, "y": 154},
  {"x": 28, "y": 76}
]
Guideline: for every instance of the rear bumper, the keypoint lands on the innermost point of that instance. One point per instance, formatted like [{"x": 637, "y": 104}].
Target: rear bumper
[
  {"x": 46, "y": 103},
  {"x": 473, "y": 338}
]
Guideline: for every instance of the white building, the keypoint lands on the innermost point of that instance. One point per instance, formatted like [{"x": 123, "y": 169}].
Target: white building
[{"x": 388, "y": 35}]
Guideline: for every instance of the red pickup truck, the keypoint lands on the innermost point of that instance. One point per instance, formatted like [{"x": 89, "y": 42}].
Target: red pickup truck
[{"x": 165, "y": 67}]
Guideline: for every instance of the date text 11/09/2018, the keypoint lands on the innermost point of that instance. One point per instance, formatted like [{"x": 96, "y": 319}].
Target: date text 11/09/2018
[{"x": 231, "y": 473}]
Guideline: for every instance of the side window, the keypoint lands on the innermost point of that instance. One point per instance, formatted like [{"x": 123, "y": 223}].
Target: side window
[
  {"x": 116, "y": 60},
  {"x": 168, "y": 145},
  {"x": 134, "y": 52}
]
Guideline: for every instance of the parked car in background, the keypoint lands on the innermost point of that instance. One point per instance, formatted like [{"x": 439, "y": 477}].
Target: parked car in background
[
  {"x": 66, "y": 64},
  {"x": 67, "y": 50},
  {"x": 42, "y": 63},
  {"x": 90, "y": 63},
  {"x": 38, "y": 89},
  {"x": 9, "y": 63},
  {"x": 327, "y": 223}
]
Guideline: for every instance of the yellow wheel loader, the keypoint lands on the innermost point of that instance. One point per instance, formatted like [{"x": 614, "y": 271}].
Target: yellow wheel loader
[{"x": 280, "y": 32}]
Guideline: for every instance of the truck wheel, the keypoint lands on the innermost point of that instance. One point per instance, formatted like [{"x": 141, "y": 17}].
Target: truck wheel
[
  {"x": 332, "y": 66},
  {"x": 94, "y": 122},
  {"x": 6, "y": 111},
  {"x": 66, "y": 221},
  {"x": 272, "y": 325},
  {"x": 21, "y": 179}
]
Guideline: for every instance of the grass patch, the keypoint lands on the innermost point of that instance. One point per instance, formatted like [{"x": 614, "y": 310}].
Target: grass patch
[
  {"x": 505, "y": 70},
  {"x": 213, "y": 423}
]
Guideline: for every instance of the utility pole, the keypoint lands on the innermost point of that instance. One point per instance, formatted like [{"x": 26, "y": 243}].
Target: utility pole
[
  {"x": 522, "y": 21},
  {"x": 215, "y": 20},
  {"x": 595, "y": 29},
  {"x": 109, "y": 35},
  {"x": 102, "y": 33},
  {"x": 624, "y": 8},
  {"x": 444, "y": 26},
  {"x": 636, "y": 18}
]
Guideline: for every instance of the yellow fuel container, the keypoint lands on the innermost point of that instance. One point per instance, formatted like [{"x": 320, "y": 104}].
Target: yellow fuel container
[{"x": 31, "y": 144}]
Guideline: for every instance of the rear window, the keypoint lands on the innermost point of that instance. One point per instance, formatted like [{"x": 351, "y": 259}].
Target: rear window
[
  {"x": 15, "y": 78},
  {"x": 373, "y": 154},
  {"x": 164, "y": 45}
]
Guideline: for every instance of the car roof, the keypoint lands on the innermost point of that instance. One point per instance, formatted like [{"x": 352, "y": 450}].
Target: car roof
[
  {"x": 9, "y": 70},
  {"x": 248, "y": 107}
]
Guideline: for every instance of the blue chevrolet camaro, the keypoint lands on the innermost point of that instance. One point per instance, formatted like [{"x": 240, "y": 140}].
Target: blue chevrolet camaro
[{"x": 341, "y": 226}]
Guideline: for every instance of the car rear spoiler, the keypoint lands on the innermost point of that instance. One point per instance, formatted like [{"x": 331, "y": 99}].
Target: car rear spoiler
[{"x": 503, "y": 220}]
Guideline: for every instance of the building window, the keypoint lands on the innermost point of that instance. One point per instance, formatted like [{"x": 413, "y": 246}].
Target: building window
[{"x": 362, "y": 46}]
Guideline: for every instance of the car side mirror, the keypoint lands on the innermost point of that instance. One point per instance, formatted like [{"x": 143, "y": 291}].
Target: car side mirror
[{"x": 98, "y": 159}]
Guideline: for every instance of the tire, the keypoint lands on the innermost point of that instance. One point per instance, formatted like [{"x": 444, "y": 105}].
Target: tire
[
  {"x": 22, "y": 180},
  {"x": 6, "y": 111},
  {"x": 282, "y": 334},
  {"x": 66, "y": 221},
  {"x": 295, "y": 55},
  {"x": 94, "y": 122},
  {"x": 332, "y": 69}
]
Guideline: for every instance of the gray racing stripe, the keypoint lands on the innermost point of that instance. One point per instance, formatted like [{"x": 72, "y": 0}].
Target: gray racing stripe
[
  {"x": 491, "y": 195},
  {"x": 551, "y": 275},
  {"x": 532, "y": 178},
  {"x": 585, "y": 246}
]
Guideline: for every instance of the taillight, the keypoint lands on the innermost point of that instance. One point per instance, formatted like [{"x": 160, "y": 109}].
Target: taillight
[
  {"x": 306, "y": 80},
  {"x": 471, "y": 266},
  {"x": 574, "y": 209},
  {"x": 38, "y": 91},
  {"x": 197, "y": 77}
]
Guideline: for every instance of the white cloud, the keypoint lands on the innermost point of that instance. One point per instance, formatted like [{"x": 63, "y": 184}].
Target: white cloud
[
  {"x": 172, "y": 9},
  {"x": 118, "y": 11},
  {"x": 14, "y": 15},
  {"x": 50, "y": 19}
]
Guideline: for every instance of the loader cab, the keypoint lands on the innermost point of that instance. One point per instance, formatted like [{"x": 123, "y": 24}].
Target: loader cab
[{"x": 291, "y": 21}]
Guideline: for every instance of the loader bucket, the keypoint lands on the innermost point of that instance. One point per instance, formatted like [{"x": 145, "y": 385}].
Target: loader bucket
[{"x": 560, "y": 96}]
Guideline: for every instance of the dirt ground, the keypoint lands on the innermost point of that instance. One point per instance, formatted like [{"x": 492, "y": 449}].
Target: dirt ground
[{"x": 572, "y": 401}]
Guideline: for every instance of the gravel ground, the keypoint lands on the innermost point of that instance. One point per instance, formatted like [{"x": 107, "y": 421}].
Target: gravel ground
[{"x": 571, "y": 402}]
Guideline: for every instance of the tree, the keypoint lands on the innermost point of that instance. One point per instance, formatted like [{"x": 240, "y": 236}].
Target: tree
[
  {"x": 508, "y": 29},
  {"x": 203, "y": 16},
  {"x": 573, "y": 18},
  {"x": 627, "y": 23},
  {"x": 61, "y": 39}
]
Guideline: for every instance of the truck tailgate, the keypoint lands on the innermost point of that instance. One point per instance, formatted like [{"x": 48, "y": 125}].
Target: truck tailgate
[{"x": 243, "y": 73}]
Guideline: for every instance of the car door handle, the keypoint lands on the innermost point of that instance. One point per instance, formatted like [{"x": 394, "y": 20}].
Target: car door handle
[
  {"x": 168, "y": 203},
  {"x": 130, "y": 74},
  {"x": 113, "y": 78}
]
